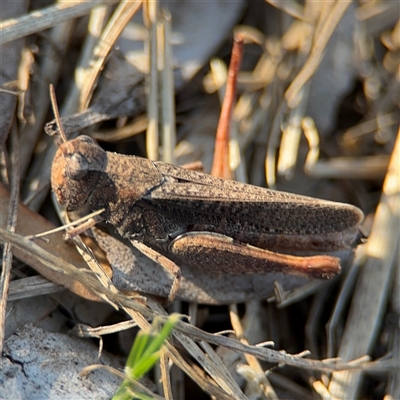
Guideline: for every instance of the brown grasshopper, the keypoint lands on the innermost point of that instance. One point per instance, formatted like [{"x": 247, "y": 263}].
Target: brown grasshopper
[{"x": 170, "y": 213}]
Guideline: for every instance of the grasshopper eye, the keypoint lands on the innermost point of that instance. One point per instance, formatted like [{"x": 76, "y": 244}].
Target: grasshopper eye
[
  {"x": 77, "y": 166},
  {"x": 86, "y": 139}
]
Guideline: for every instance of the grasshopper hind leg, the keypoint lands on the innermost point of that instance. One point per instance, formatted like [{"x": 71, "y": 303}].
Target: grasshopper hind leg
[{"x": 221, "y": 254}]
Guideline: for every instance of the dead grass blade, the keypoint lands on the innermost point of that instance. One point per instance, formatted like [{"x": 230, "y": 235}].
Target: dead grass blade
[{"x": 372, "y": 289}]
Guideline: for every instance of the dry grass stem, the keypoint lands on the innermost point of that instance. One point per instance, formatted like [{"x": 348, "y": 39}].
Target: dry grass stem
[
  {"x": 30, "y": 287},
  {"x": 121, "y": 16},
  {"x": 37, "y": 21},
  {"x": 371, "y": 293},
  {"x": 11, "y": 226}
]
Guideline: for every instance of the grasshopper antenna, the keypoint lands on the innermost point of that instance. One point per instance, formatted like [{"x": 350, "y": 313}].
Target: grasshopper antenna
[{"x": 57, "y": 113}]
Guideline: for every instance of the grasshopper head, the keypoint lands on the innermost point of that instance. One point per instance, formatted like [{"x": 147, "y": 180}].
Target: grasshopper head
[{"x": 76, "y": 170}]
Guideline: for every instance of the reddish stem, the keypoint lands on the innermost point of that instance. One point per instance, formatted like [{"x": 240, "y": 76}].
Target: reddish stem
[{"x": 221, "y": 154}]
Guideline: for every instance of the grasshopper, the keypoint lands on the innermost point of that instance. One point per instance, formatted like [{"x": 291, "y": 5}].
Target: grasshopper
[{"x": 174, "y": 214}]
